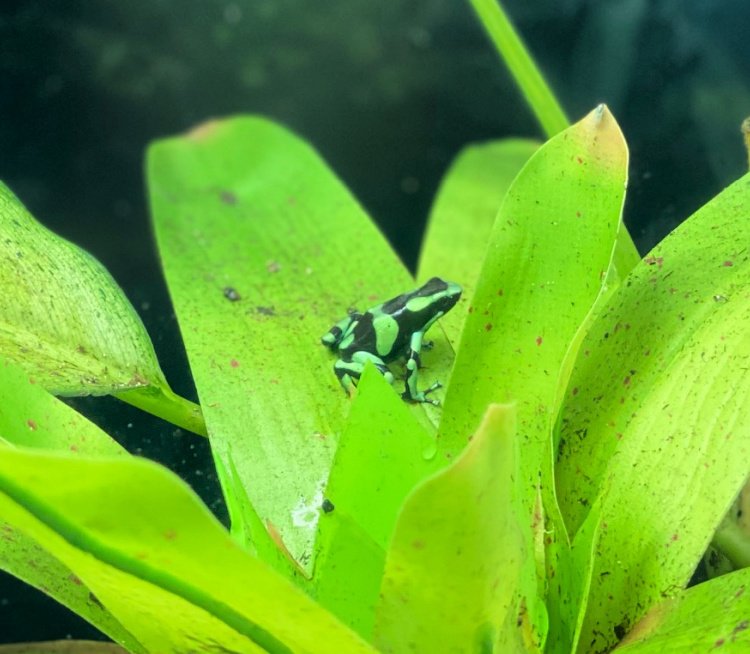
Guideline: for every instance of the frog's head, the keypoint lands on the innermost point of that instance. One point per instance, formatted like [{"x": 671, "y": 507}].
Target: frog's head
[{"x": 440, "y": 296}]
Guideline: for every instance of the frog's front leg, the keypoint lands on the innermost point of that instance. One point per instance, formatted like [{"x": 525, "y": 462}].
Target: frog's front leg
[
  {"x": 333, "y": 337},
  {"x": 349, "y": 372},
  {"x": 411, "y": 393}
]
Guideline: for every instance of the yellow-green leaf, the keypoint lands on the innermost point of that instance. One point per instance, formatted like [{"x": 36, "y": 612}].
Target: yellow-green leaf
[
  {"x": 264, "y": 250},
  {"x": 157, "y": 559},
  {"x": 454, "y": 565},
  {"x": 655, "y": 424},
  {"x": 65, "y": 321}
]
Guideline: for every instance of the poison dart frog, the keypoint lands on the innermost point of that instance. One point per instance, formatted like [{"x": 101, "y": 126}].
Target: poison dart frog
[{"x": 388, "y": 331}]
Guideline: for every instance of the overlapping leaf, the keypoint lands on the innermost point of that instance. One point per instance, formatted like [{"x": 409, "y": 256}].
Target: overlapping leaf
[
  {"x": 66, "y": 322},
  {"x": 713, "y": 616},
  {"x": 656, "y": 423},
  {"x": 145, "y": 546},
  {"x": 550, "y": 247},
  {"x": 36, "y": 419},
  {"x": 264, "y": 249},
  {"x": 374, "y": 471},
  {"x": 454, "y": 566}
]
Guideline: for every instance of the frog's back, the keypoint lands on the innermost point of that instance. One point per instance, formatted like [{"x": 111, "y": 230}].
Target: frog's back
[{"x": 378, "y": 333}]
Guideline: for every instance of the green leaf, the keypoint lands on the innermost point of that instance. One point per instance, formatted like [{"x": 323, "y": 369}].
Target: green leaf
[
  {"x": 654, "y": 423},
  {"x": 245, "y": 210},
  {"x": 37, "y": 419},
  {"x": 461, "y": 218},
  {"x": 156, "y": 558},
  {"x": 454, "y": 566},
  {"x": 712, "y": 616},
  {"x": 549, "y": 249},
  {"x": 67, "y": 323},
  {"x": 374, "y": 471}
]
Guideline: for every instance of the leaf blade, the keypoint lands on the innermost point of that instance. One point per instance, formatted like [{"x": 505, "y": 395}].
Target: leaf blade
[
  {"x": 454, "y": 565},
  {"x": 661, "y": 429}
]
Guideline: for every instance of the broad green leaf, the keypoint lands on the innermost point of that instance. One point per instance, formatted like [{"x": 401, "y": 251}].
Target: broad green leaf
[
  {"x": 156, "y": 558},
  {"x": 454, "y": 564},
  {"x": 66, "y": 322},
  {"x": 655, "y": 420},
  {"x": 709, "y": 617},
  {"x": 34, "y": 418},
  {"x": 63, "y": 647},
  {"x": 263, "y": 250},
  {"x": 461, "y": 218},
  {"x": 381, "y": 457},
  {"x": 550, "y": 247}
]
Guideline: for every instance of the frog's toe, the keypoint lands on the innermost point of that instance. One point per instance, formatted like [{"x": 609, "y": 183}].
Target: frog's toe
[{"x": 433, "y": 387}]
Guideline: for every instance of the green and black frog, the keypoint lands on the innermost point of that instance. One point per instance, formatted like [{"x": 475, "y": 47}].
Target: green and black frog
[{"x": 391, "y": 330}]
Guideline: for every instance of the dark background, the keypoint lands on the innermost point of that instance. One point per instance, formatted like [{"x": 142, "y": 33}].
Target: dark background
[{"x": 387, "y": 91}]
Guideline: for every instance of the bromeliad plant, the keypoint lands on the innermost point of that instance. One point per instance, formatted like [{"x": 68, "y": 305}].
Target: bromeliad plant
[{"x": 593, "y": 434}]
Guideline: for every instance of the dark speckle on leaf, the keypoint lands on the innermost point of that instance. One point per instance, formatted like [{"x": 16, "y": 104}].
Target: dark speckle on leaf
[
  {"x": 95, "y": 600},
  {"x": 273, "y": 266},
  {"x": 227, "y": 197},
  {"x": 231, "y": 294},
  {"x": 265, "y": 311},
  {"x": 327, "y": 506},
  {"x": 741, "y": 626}
]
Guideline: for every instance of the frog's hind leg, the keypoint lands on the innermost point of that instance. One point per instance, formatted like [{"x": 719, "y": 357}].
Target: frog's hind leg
[{"x": 349, "y": 372}]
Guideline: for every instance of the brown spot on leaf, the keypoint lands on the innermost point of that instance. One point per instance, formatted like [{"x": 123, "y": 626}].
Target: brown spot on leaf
[
  {"x": 538, "y": 340},
  {"x": 31, "y": 424},
  {"x": 488, "y": 327},
  {"x": 234, "y": 363},
  {"x": 170, "y": 534},
  {"x": 227, "y": 197},
  {"x": 728, "y": 264},
  {"x": 204, "y": 130}
]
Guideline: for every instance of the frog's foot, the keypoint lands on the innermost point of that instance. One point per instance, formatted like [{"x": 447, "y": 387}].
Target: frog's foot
[
  {"x": 428, "y": 345},
  {"x": 421, "y": 396},
  {"x": 349, "y": 372}
]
